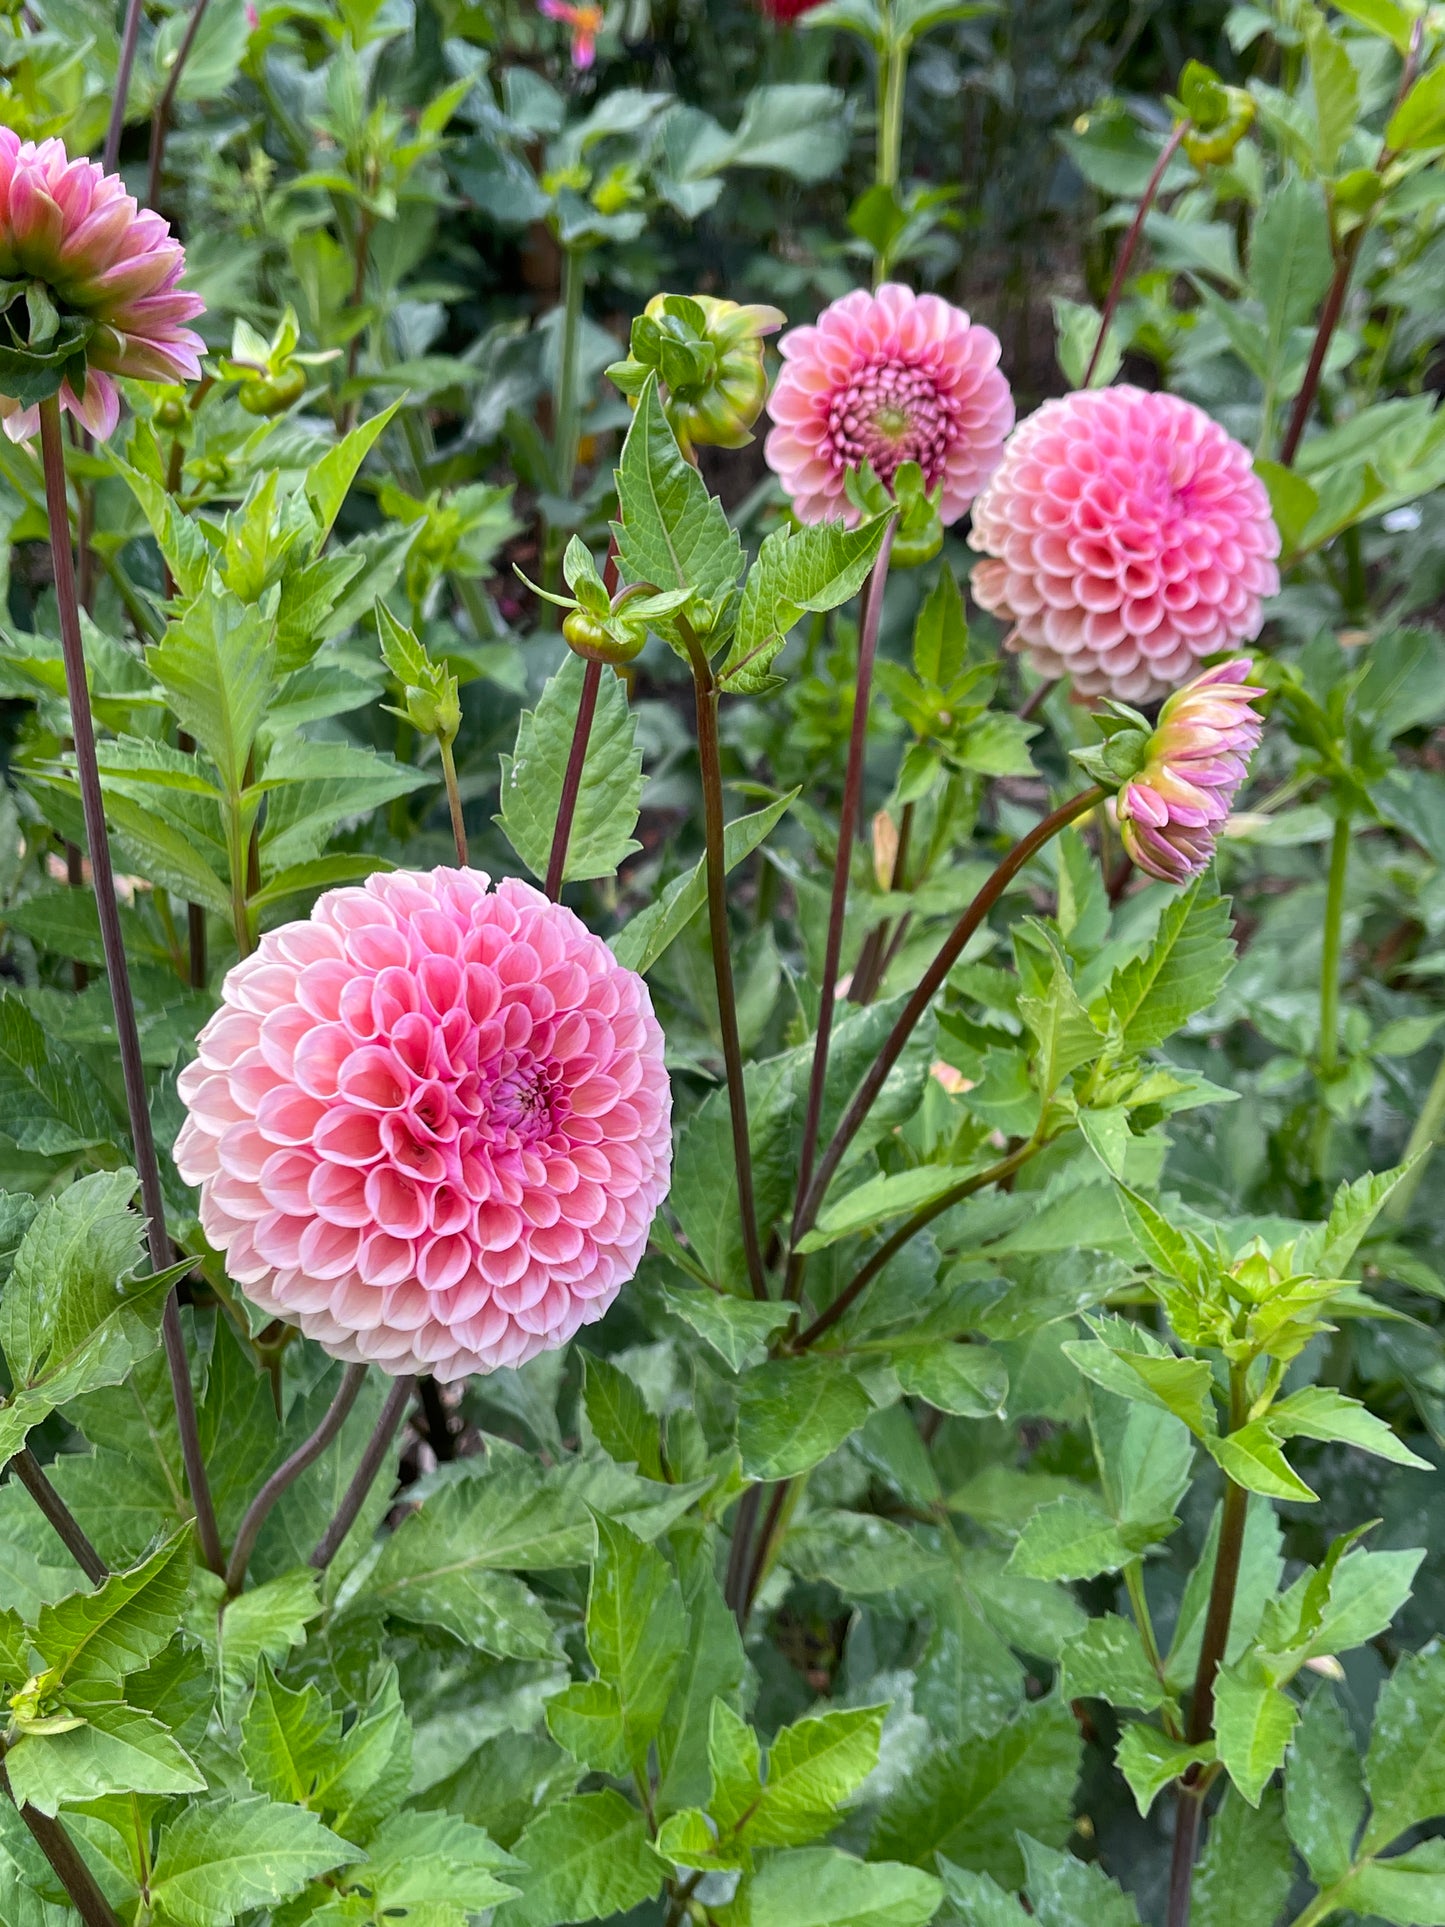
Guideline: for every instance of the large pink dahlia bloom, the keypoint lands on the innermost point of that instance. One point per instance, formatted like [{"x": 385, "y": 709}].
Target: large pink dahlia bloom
[
  {"x": 430, "y": 1124},
  {"x": 73, "y": 227},
  {"x": 1129, "y": 537},
  {"x": 1171, "y": 813},
  {"x": 887, "y": 378}
]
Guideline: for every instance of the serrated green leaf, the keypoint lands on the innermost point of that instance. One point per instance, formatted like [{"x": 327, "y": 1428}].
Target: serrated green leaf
[
  {"x": 1149, "y": 1760},
  {"x": 793, "y": 1412},
  {"x": 1107, "y": 1661},
  {"x": 821, "y": 1887},
  {"x": 103, "y": 1635},
  {"x": 50, "y": 1101},
  {"x": 1066, "y": 1035},
  {"x": 1252, "y": 1458},
  {"x": 636, "y": 1634},
  {"x": 328, "y": 481},
  {"x": 797, "y": 571},
  {"x": 619, "y": 1418},
  {"x": 583, "y": 1859},
  {"x": 891, "y": 1194},
  {"x": 1419, "y": 120},
  {"x": 970, "y": 1381},
  {"x": 215, "y": 663},
  {"x": 1253, "y": 1721},
  {"x": 1323, "y": 1412},
  {"x": 1069, "y": 1539},
  {"x": 1247, "y": 1870},
  {"x": 118, "y": 1749},
  {"x": 611, "y": 790},
  {"x": 672, "y": 534},
  {"x": 1182, "y": 971},
  {"x": 1405, "y": 1764},
  {"x": 1324, "y": 1793},
  {"x": 221, "y": 1857},
  {"x": 1064, "y": 1890}
]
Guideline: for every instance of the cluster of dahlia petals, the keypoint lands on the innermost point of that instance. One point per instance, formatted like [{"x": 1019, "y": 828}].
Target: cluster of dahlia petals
[
  {"x": 1128, "y": 538},
  {"x": 430, "y": 1124},
  {"x": 73, "y": 227},
  {"x": 887, "y": 378},
  {"x": 1171, "y": 812}
]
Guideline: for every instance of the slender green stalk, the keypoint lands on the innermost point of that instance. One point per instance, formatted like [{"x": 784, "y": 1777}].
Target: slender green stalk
[
  {"x": 29, "y": 1471},
  {"x": 566, "y": 402},
  {"x": 710, "y": 766},
  {"x": 113, "y": 944},
  {"x": 364, "y": 1477},
  {"x": 928, "y": 986},
  {"x": 288, "y": 1473},
  {"x": 842, "y": 863},
  {"x": 1144, "y": 1621},
  {"x": 454, "y": 802},
  {"x": 892, "y": 89},
  {"x": 238, "y": 862},
  {"x": 1333, "y": 945}
]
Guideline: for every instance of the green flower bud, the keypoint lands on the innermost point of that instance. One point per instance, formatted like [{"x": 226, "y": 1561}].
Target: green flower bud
[
  {"x": 708, "y": 357},
  {"x": 596, "y": 640},
  {"x": 266, "y": 397}
]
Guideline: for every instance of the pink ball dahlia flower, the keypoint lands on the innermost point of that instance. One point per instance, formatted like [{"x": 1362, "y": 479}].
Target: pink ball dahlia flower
[
  {"x": 1130, "y": 537},
  {"x": 430, "y": 1124},
  {"x": 1170, "y": 813},
  {"x": 887, "y": 378},
  {"x": 73, "y": 227}
]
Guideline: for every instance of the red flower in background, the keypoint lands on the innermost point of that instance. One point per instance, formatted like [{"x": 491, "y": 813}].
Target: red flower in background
[{"x": 787, "y": 9}]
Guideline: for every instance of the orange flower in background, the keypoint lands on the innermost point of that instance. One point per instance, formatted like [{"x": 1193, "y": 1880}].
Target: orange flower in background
[{"x": 585, "y": 22}]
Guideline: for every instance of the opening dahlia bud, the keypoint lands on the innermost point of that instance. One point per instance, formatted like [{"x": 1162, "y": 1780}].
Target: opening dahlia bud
[
  {"x": 1130, "y": 537},
  {"x": 89, "y": 288},
  {"x": 1171, "y": 811},
  {"x": 430, "y": 1123},
  {"x": 708, "y": 357}
]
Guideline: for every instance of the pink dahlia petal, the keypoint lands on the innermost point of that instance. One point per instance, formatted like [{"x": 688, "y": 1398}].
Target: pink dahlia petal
[
  {"x": 887, "y": 378},
  {"x": 431, "y": 1125},
  {"x": 73, "y": 227},
  {"x": 1138, "y": 512},
  {"x": 1171, "y": 813}
]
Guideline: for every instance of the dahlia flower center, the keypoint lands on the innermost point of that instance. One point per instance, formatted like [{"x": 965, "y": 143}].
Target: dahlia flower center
[
  {"x": 889, "y": 414},
  {"x": 527, "y": 1103}
]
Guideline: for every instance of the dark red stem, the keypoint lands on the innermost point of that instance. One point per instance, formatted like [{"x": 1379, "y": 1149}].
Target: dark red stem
[
  {"x": 130, "y": 34},
  {"x": 28, "y": 1469},
  {"x": 1131, "y": 243},
  {"x": 364, "y": 1477},
  {"x": 288, "y": 1473}
]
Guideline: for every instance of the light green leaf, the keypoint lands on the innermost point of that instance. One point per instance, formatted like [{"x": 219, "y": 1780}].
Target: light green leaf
[
  {"x": 103, "y": 1635},
  {"x": 118, "y": 1750},
  {"x": 1405, "y": 1764},
  {"x": 1322, "y": 1412},
  {"x": 1390, "y": 19},
  {"x": 1419, "y": 120},
  {"x": 263, "y": 1623},
  {"x": 583, "y": 1859},
  {"x": 640, "y": 942},
  {"x": 1328, "y": 1251},
  {"x": 636, "y": 1634},
  {"x": 1149, "y": 1760},
  {"x": 50, "y": 1100},
  {"x": 1253, "y": 1721},
  {"x": 797, "y": 571},
  {"x": 821, "y": 1887},
  {"x": 1336, "y": 91},
  {"x": 611, "y": 791},
  {"x": 1289, "y": 263},
  {"x": 1182, "y": 971},
  {"x": 940, "y": 634},
  {"x": 1408, "y": 1889},
  {"x": 1252, "y": 1458},
  {"x": 814, "y": 1767},
  {"x": 980, "y": 1901},
  {"x": 328, "y": 481},
  {"x": 1064, "y": 1891},
  {"x": 891, "y": 1194},
  {"x": 219, "y": 1858},
  {"x": 673, "y": 534},
  {"x": 1069, "y": 1539},
  {"x": 215, "y": 663},
  {"x": 619, "y": 1418},
  {"x": 738, "y": 1329},
  {"x": 970, "y": 1381},
  {"x": 1324, "y": 1794},
  {"x": 1247, "y": 1869},
  {"x": 793, "y": 1412},
  {"x": 1066, "y": 1035},
  {"x": 859, "y": 1553},
  {"x": 1107, "y": 1661}
]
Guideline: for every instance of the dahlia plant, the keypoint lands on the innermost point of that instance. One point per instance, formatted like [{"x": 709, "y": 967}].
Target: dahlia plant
[{"x": 640, "y": 1296}]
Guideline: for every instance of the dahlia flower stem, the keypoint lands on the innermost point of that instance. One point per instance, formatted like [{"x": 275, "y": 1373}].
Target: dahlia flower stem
[
  {"x": 740, "y": 1554},
  {"x": 1333, "y": 947},
  {"x": 842, "y": 864},
  {"x": 1130, "y": 247},
  {"x": 877, "y": 950},
  {"x": 130, "y": 34},
  {"x": 28, "y": 1470},
  {"x": 113, "y": 945},
  {"x": 1213, "y": 1646},
  {"x": 288, "y": 1473},
  {"x": 779, "y": 1512},
  {"x": 928, "y": 986},
  {"x": 161, "y": 119},
  {"x": 909, "y": 1229},
  {"x": 65, "y": 1861},
  {"x": 454, "y": 802},
  {"x": 572, "y": 778},
  {"x": 710, "y": 765},
  {"x": 364, "y": 1477}
]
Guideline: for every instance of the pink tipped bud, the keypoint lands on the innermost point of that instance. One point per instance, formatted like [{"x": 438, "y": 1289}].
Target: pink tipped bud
[{"x": 1171, "y": 813}]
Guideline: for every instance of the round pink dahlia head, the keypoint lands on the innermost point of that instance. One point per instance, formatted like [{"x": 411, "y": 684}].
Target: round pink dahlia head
[
  {"x": 887, "y": 378},
  {"x": 1129, "y": 537},
  {"x": 430, "y": 1124},
  {"x": 72, "y": 226},
  {"x": 1171, "y": 813}
]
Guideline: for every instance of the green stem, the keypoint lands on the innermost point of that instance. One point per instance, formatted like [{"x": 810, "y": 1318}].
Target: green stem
[
  {"x": 454, "y": 802},
  {"x": 237, "y": 858},
  {"x": 710, "y": 766},
  {"x": 1334, "y": 935},
  {"x": 1143, "y": 1619},
  {"x": 565, "y": 407}
]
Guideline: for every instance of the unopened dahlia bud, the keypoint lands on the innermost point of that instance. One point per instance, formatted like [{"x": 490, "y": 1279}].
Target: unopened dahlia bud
[
  {"x": 707, "y": 355},
  {"x": 89, "y": 288},
  {"x": 887, "y": 379},
  {"x": 1170, "y": 813},
  {"x": 1128, "y": 537},
  {"x": 430, "y": 1123}
]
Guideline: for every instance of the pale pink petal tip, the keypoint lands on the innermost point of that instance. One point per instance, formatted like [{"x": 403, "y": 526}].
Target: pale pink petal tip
[
  {"x": 73, "y": 227},
  {"x": 431, "y": 1125},
  {"x": 1128, "y": 537},
  {"x": 887, "y": 378},
  {"x": 1171, "y": 814}
]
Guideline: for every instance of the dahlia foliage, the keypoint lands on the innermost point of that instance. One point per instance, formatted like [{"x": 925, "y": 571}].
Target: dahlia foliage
[
  {"x": 1171, "y": 812},
  {"x": 430, "y": 1124},
  {"x": 885, "y": 379},
  {"x": 111, "y": 272},
  {"x": 1127, "y": 537}
]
